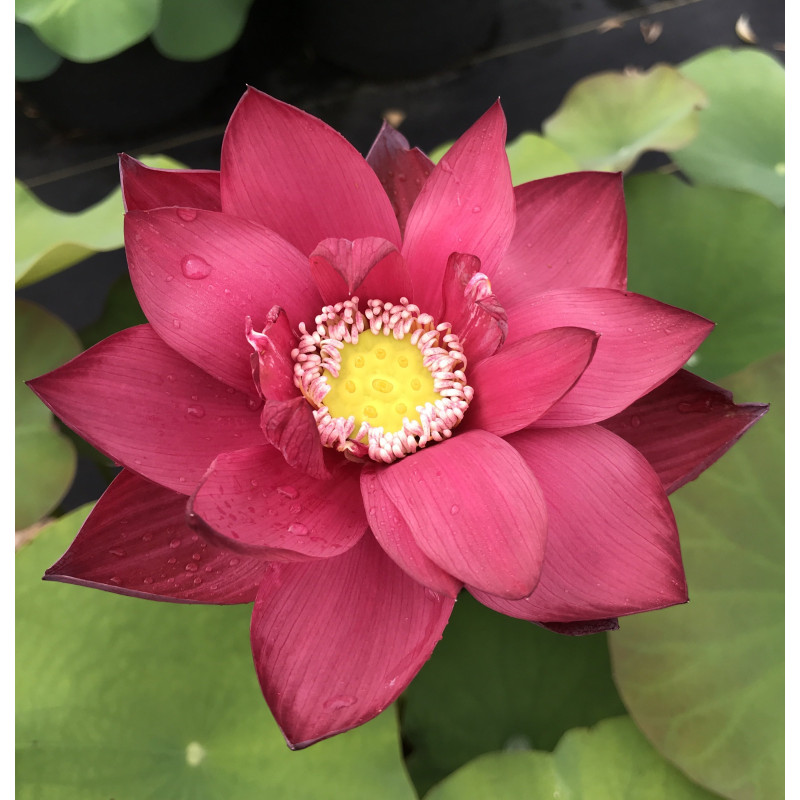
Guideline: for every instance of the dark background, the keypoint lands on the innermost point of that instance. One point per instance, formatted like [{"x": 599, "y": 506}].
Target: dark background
[{"x": 439, "y": 64}]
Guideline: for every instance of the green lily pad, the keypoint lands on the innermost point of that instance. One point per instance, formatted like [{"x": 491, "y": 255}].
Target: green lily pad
[
  {"x": 188, "y": 33},
  {"x": 741, "y": 142},
  {"x": 127, "y": 698},
  {"x": 48, "y": 241},
  {"x": 717, "y": 252},
  {"x": 45, "y": 458},
  {"x": 89, "y": 30},
  {"x": 33, "y": 59},
  {"x": 607, "y": 121},
  {"x": 705, "y": 681},
  {"x": 531, "y": 156},
  {"x": 612, "y": 761},
  {"x": 496, "y": 682}
]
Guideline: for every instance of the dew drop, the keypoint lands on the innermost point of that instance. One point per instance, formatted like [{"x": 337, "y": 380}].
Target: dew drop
[
  {"x": 298, "y": 529},
  {"x": 176, "y": 323},
  {"x": 476, "y": 209},
  {"x": 197, "y": 581},
  {"x": 175, "y": 543},
  {"x": 635, "y": 421},
  {"x": 171, "y": 378},
  {"x": 233, "y": 562},
  {"x": 339, "y": 702},
  {"x": 195, "y": 268},
  {"x": 288, "y": 491},
  {"x": 146, "y": 537},
  {"x": 187, "y": 214},
  {"x": 208, "y": 568},
  {"x": 253, "y": 404},
  {"x": 172, "y": 561},
  {"x": 296, "y": 509},
  {"x": 454, "y": 510},
  {"x": 148, "y": 581},
  {"x": 191, "y": 567},
  {"x": 115, "y": 580},
  {"x": 118, "y": 552},
  {"x": 195, "y": 411},
  {"x": 196, "y": 556},
  {"x": 169, "y": 278}
]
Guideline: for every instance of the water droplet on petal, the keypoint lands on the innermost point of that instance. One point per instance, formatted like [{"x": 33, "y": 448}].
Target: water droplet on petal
[
  {"x": 635, "y": 421},
  {"x": 476, "y": 209},
  {"x": 176, "y": 323},
  {"x": 197, "y": 581},
  {"x": 454, "y": 509},
  {"x": 196, "y": 556},
  {"x": 148, "y": 581},
  {"x": 339, "y": 702},
  {"x": 253, "y": 404},
  {"x": 172, "y": 561},
  {"x": 288, "y": 491},
  {"x": 191, "y": 567},
  {"x": 146, "y": 537},
  {"x": 195, "y": 412},
  {"x": 195, "y": 268},
  {"x": 187, "y": 214},
  {"x": 115, "y": 580},
  {"x": 175, "y": 543},
  {"x": 118, "y": 552},
  {"x": 233, "y": 562},
  {"x": 298, "y": 529}
]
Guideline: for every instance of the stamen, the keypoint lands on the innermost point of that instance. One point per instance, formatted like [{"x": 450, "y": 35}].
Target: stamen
[{"x": 424, "y": 365}]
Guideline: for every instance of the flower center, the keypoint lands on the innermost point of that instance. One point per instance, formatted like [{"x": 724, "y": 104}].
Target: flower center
[{"x": 383, "y": 383}]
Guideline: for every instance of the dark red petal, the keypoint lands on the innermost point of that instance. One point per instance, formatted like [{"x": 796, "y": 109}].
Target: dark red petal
[
  {"x": 612, "y": 544},
  {"x": 642, "y": 342},
  {"x": 258, "y": 503},
  {"x": 149, "y": 409},
  {"x": 683, "y": 426},
  {"x": 292, "y": 173},
  {"x": 465, "y": 206},
  {"x": 144, "y": 188},
  {"x": 199, "y": 276},
  {"x": 136, "y": 542},
  {"x": 336, "y": 641},
  {"x": 520, "y": 383},
  {"x": 477, "y": 317},
  {"x": 474, "y": 509},
  {"x": 571, "y": 231},
  {"x": 395, "y": 537},
  {"x": 402, "y": 171},
  {"x": 371, "y": 268}
]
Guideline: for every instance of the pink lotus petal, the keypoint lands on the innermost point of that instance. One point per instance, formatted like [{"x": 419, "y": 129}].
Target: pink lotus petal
[
  {"x": 585, "y": 628},
  {"x": 136, "y": 542},
  {"x": 272, "y": 363},
  {"x": 256, "y": 501},
  {"x": 371, "y": 268},
  {"x": 520, "y": 383},
  {"x": 145, "y": 188},
  {"x": 289, "y": 425},
  {"x": 336, "y": 641},
  {"x": 475, "y": 509},
  {"x": 200, "y": 275},
  {"x": 683, "y": 426},
  {"x": 571, "y": 231},
  {"x": 465, "y": 206},
  {"x": 612, "y": 545},
  {"x": 293, "y": 174},
  {"x": 149, "y": 409},
  {"x": 395, "y": 537},
  {"x": 642, "y": 342},
  {"x": 402, "y": 171},
  {"x": 477, "y": 317}
]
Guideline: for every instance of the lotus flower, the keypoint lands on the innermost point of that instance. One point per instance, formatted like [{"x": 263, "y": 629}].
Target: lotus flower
[{"x": 367, "y": 384}]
